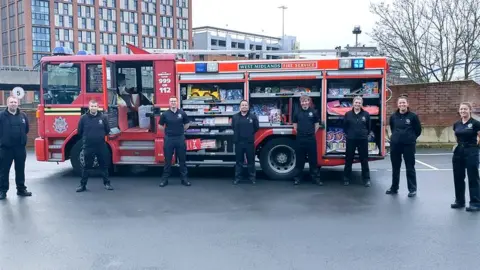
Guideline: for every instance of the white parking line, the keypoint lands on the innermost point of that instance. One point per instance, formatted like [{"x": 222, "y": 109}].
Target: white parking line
[
  {"x": 426, "y": 165},
  {"x": 425, "y": 170},
  {"x": 435, "y": 154}
]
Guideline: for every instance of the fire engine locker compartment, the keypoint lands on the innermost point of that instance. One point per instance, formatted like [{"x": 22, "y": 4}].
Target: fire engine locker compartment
[
  {"x": 340, "y": 95},
  {"x": 210, "y": 107},
  {"x": 275, "y": 101}
]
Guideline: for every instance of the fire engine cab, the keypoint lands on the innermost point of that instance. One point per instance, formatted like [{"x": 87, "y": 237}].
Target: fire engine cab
[{"x": 134, "y": 89}]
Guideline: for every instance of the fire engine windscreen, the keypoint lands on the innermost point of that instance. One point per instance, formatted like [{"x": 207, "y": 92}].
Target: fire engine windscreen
[{"x": 60, "y": 83}]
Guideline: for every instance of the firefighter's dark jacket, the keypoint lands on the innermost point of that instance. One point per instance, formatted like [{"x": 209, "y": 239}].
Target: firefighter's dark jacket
[
  {"x": 244, "y": 127},
  {"x": 406, "y": 128},
  {"x": 13, "y": 129},
  {"x": 93, "y": 129},
  {"x": 357, "y": 126}
]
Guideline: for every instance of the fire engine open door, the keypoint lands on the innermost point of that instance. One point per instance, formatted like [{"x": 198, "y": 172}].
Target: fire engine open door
[{"x": 110, "y": 94}]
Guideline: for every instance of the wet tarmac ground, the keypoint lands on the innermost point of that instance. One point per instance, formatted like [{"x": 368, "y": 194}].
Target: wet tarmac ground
[{"x": 215, "y": 225}]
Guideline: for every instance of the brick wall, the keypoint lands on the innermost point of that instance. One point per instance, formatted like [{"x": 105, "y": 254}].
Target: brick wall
[
  {"x": 32, "y": 120},
  {"x": 437, "y": 103}
]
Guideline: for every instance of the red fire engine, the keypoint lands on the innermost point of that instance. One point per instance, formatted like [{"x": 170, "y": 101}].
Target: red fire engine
[{"x": 210, "y": 93}]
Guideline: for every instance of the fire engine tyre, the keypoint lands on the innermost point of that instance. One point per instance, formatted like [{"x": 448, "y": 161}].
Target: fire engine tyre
[
  {"x": 277, "y": 159},
  {"x": 77, "y": 158}
]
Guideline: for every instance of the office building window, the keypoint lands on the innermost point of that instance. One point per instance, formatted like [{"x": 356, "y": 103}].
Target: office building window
[
  {"x": 13, "y": 48},
  {"x": 21, "y": 61},
  {"x": 21, "y": 46},
  {"x": 40, "y": 12},
  {"x": 13, "y": 36},
  {"x": 13, "y": 60},
  {"x": 36, "y": 57},
  {"x": 41, "y": 39}
]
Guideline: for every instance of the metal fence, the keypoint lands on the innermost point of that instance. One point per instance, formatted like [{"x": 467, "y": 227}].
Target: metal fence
[{"x": 18, "y": 68}]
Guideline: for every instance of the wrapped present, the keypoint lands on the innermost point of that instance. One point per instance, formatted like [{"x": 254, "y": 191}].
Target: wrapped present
[
  {"x": 209, "y": 144},
  {"x": 193, "y": 144}
]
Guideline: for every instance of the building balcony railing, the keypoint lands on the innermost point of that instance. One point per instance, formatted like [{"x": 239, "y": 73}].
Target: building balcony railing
[{"x": 18, "y": 68}]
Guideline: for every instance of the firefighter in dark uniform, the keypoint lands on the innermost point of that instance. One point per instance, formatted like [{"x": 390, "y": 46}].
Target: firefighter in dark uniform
[
  {"x": 245, "y": 125},
  {"x": 356, "y": 125},
  {"x": 176, "y": 122},
  {"x": 14, "y": 128},
  {"x": 466, "y": 157},
  {"x": 406, "y": 128},
  {"x": 306, "y": 124},
  {"x": 92, "y": 128}
]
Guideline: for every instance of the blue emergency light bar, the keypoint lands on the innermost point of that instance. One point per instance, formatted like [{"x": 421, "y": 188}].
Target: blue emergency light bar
[
  {"x": 200, "y": 67},
  {"x": 358, "y": 63},
  {"x": 62, "y": 51},
  {"x": 83, "y": 52}
]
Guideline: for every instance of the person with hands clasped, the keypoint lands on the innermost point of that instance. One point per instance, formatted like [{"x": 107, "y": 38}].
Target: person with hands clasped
[
  {"x": 356, "y": 125},
  {"x": 406, "y": 128},
  {"x": 306, "y": 124},
  {"x": 92, "y": 128},
  {"x": 245, "y": 124},
  {"x": 174, "y": 122},
  {"x": 466, "y": 157}
]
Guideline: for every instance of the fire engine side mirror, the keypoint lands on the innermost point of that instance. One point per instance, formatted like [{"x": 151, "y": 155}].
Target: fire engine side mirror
[{"x": 45, "y": 81}]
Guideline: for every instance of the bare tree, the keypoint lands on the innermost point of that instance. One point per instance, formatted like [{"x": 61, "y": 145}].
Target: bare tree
[
  {"x": 470, "y": 40},
  {"x": 430, "y": 38},
  {"x": 446, "y": 31},
  {"x": 402, "y": 32}
]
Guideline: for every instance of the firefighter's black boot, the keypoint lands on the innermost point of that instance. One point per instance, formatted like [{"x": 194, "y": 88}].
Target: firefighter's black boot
[
  {"x": 164, "y": 183},
  {"x": 186, "y": 183},
  {"x": 391, "y": 191},
  {"x": 108, "y": 186},
  {"x": 316, "y": 178},
  {"x": 24, "y": 193},
  {"x": 473, "y": 208},
  {"x": 297, "y": 180},
  {"x": 238, "y": 175},
  {"x": 457, "y": 205},
  {"x": 81, "y": 188},
  {"x": 251, "y": 177}
]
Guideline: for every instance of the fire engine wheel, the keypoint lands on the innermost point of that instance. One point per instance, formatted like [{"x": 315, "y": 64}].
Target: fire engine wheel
[
  {"x": 77, "y": 158},
  {"x": 277, "y": 159}
]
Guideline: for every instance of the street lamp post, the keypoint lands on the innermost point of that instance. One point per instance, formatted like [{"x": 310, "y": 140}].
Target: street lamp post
[
  {"x": 356, "y": 31},
  {"x": 283, "y": 24}
]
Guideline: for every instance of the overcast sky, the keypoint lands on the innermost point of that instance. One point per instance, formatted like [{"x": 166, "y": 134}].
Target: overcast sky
[{"x": 317, "y": 24}]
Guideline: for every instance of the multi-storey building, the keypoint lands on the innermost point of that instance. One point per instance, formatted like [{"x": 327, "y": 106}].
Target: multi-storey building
[
  {"x": 214, "y": 38},
  {"x": 30, "y": 29}
]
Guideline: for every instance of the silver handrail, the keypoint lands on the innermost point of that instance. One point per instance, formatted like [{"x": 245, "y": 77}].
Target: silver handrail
[{"x": 18, "y": 68}]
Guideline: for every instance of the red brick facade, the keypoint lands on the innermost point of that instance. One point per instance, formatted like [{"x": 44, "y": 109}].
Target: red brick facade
[
  {"x": 32, "y": 120},
  {"x": 437, "y": 103}
]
